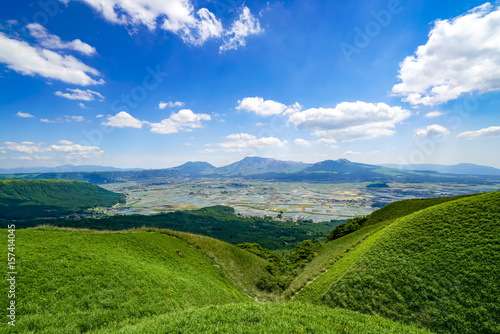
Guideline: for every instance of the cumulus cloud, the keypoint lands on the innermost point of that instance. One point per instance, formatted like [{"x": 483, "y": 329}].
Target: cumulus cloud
[
  {"x": 53, "y": 42},
  {"x": 123, "y": 120},
  {"x": 176, "y": 16},
  {"x": 184, "y": 120},
  {"x": 63, "y": 119},
  {"x": 244, "y": 26},
  {"x": 461, "y": 56},
  {"x": 260, "y": 107},
  {"x": 78, "y": 94},
  {"x": 170, "y": 104},
  {"x": 240, "y": 142},
  {"x": 492, "y": 131},
  {"x": 28, "y": 60},
  {"x": 24, "y": 114},
  {"x": 350, "y": 120},
  {"x": 63, "y": 146},
  {"x": 302, "y": 142},
  {"x": 434, "y": 114},
  {"x": 25, "y": 147},
  {"x": 433, "y": 131},
  {"x": 68, "y": 147}
]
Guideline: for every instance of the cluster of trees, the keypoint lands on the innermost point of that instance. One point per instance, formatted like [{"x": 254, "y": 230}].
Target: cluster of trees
[
  {"x": 346, "y": 228},
  {"x": 282, "y": 268}
]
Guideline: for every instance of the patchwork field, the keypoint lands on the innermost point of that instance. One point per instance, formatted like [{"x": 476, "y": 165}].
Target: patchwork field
[{"x": 315, "y": 201}]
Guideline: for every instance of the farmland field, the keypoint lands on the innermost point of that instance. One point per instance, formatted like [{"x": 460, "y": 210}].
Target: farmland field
[{"x": 316, "y": 201}]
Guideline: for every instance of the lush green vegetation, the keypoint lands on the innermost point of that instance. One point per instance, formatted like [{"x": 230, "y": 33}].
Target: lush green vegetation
[
  {"x": 73, "y": 281},
  {"x": 25, "y": 199},
  {"x": 405, "y": 207},
  {"x": 437, "y": 268},
  {"x": 429, "y": 263},
  {"x": 268, "y": 318},
  {"x": 282, "y": 268},
  {"x": 389, "y": 212},
  {"x": 218, "y": 222},
  {"x": 344, "y": 229}
]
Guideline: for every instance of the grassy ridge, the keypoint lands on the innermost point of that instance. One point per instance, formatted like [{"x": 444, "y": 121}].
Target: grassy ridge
[
  {"x": 72, "y": 281},
  {"x": 334, "y": 250},
  {"x": 268, "y": 318},
  {"x": 437, "y": 268},
  {"x": 243, "y": 268},
  {"x": 25, "y": 199},
  {"x": 405, "y": 207},
  {"x": 218, "y": 222}
]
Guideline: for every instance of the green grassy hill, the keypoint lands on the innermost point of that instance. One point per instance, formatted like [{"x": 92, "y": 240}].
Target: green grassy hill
[
  {"x": 268, "y": 318},
  {"x": 437, "y": 268},
  {"x": 333, "y": 251},
  {"x": 25, "y": 199},
  {"x": 73, "y": 281}
]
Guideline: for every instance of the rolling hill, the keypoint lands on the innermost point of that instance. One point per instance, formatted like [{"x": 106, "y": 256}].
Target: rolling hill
[
  {"x": 75, "y": 281},
  {"x": 25, "y": 199},
  {"x": 436, "y": 268}
]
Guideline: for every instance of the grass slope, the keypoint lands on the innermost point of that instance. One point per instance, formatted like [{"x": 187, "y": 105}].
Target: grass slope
[
  {"x": 243, "y": 268},
  {"x": 72, "y": 281},
  {"x": 405, "y": 207},
  {"x": 24, "y": 199},
  {"x": 437, "y": 268},
  {"x": 268, "y": 318},
  {"x": 335, "y": 250}
]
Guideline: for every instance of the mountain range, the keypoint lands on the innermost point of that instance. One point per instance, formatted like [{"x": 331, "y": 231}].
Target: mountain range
[
  {"x": 464, "y": 168},
  {"x": 334, "y": 171}
]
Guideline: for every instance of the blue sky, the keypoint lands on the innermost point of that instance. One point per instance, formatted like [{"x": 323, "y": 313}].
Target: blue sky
[{"x": 155, "y": 83}]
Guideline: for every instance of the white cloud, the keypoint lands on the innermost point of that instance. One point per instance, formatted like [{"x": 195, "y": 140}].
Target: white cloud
[
  {"x": 62, "y": 148},
  {"x": 74, "y": 118},
  {"x": 25, "y": 147},
  {"x": 78, "y": 94},
  {"x": 246, "y": 25},
  {"x": 53, "y": 42},
  {"x": 240, "y": 142},
  {"x": 123, "y": 120},
  {"x": 302, "y": 142},
  {"x": 492, "y": 131},
  {"x": 28, "y": 60},
  {"x": 170, "y": 104},
  {"x": 24, "y": 114},
  {"x": 260, "y": 124},
  {"x": 434, "y": 130},
  {"x": 328, "y": 141},
  {"x": 99, "y": 116},
  {"x": 350, "y": 120},
  {"x": 261, "y": 107},
  {"x": 351, "y": 153},
  {"x": 461, "y": 56},
  {"x": 176, "y": 16},
  {"x": 434, "y": 114},
  {"x": 68, "y": 147},
  {"x": 63, "y": 119},
  {"x": 83, "y": 106},
  {"x": 184, "y": 120}
]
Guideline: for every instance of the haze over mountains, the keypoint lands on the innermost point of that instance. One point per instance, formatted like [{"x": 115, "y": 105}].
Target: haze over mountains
[
  {"x": 463, "y": 168},
  {"x": 341, "y": 170}
]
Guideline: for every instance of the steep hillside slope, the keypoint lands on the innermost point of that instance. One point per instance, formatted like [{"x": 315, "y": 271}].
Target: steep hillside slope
[
  {"x": 268, "y": 318},
  {"x": 437, "y": 268},
  {"x": 72, "y": 281},
  {"x": 335, "y": 250},
  {"x": 21, "y": 199}
]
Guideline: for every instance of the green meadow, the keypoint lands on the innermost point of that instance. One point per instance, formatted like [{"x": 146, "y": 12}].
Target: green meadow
[{"x": 415, "y": 266}]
